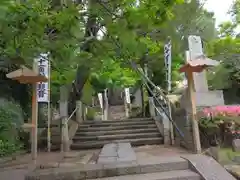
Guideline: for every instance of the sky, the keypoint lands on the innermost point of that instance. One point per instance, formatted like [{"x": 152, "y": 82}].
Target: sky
[{"x": 220, "y": 9}]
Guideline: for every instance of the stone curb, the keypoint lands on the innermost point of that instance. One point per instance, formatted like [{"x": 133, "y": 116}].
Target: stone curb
[{"x": 91, "y": 171}]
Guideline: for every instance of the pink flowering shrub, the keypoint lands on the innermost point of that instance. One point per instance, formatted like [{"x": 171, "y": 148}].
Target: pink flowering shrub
[
  {"x": 221, "y": 121},
  {"x": 221, "y": 114},
  {"x": 233, "y": 111}
]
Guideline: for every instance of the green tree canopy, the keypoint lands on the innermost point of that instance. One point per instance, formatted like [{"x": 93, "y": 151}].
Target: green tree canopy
[{"x": 226, "y": 49}]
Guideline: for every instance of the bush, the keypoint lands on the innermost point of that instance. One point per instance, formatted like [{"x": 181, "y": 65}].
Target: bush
[
  {"x": 11, "y": 119},
  {"x": 220, "y": 123},
  {"x": 14, "y": 112},
  {"x": 8, "y": 148}
]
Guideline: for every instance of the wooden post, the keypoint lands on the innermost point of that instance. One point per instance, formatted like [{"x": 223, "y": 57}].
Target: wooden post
[
  {"x": 200, "y": 85},
  {"x": 196, "y": 136},
  {"x": 49, "y": 108},
  {"x": 170, "y": 123},
  {"x": 34, "y": 135},
  {"x": 64, "y": 117}
]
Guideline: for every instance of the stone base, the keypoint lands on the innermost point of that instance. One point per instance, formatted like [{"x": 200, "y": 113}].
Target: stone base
[{"x": 210, "y": 98}]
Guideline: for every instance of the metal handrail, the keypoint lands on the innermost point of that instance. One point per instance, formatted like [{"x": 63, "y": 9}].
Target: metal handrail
[
  {"x": 71, "y": 114},
  {"x": 146, "y": 80},
  {"x": 164, "y": 110}
]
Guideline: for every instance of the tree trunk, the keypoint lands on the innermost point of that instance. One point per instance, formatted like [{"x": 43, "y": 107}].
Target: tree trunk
[{"x": 83, "y": 72}]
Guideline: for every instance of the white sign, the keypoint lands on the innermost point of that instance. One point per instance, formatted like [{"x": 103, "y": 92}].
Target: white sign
[
  {"x": 168, "y": 63},
  {"x": 42, "y": 87},
  {"x": 100, "y": 97},
  {"x": 127, "y": 95}
]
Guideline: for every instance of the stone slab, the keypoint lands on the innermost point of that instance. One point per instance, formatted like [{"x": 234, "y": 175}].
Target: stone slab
[
  {"x": 104, "y": 160},
  {"x": 236, "y": 145},
  {"x": 201, "y": 164},
  {"x": 116, "y": 152}
]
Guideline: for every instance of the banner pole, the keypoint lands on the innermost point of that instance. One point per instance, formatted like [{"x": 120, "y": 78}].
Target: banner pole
[{"x": 49, "y": 108}]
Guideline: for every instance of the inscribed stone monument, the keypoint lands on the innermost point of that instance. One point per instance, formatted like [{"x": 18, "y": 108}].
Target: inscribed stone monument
[{"x": 204, "y": 97}]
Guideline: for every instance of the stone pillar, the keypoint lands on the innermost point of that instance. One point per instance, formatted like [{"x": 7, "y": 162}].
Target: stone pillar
[
  {"x": 79, "y": 116},
  {"x": 151, "y": 107},
  {"x": 166, "y": 126},
  {"x": 195, "y": 50},
  {"x": 64, "y": 117},
  {"x": 100, "y": 98},
  {"x": 105, "y": 105}
]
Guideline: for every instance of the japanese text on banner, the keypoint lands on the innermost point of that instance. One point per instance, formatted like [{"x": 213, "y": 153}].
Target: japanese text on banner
[{"x": 42, "y": 87}]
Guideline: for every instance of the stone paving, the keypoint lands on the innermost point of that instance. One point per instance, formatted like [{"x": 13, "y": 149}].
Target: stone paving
[
  {"x": 154, "y": 151},
  {"x": 116, "y": 159},
  {"x": 116, "y": 152},
  {"x": 156, "y": 158},
  {"x": 17, "y": 169}
]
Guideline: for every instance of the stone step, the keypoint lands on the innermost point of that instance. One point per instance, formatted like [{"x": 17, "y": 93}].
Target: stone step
[
  {"x": 116, "y": 136},
  {"x": 117, "y": 121},
  {"x": 141, "y": 167},
  {"x": 100, "y": 144},
  {"x": 123, "y": 131},
  {"x": 170, "y": 175},
  {"x": 125, "y": 123},
  {"x": 111, "y": 128}
]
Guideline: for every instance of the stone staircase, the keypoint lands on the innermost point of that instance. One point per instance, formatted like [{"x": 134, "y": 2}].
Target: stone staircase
[
  {"x": 118, "y": 161},
  {"x": 137, "y": 131},
  {"x": 56, "y": 134},
  {"x": 153, "y": 168}
]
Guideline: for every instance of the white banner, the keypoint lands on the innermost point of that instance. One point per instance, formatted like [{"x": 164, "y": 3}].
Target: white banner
[
  {"x": 127, "y": 95},
  {"x": 168, "y": 63},
  {"x": 100, "y": 98},
  {"x": 43, "y": 69}
]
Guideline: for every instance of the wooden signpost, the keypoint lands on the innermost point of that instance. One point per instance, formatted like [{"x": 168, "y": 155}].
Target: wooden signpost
[
  {"x": 27, "y": 76},
  {"x": 196, "y": 65}
]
